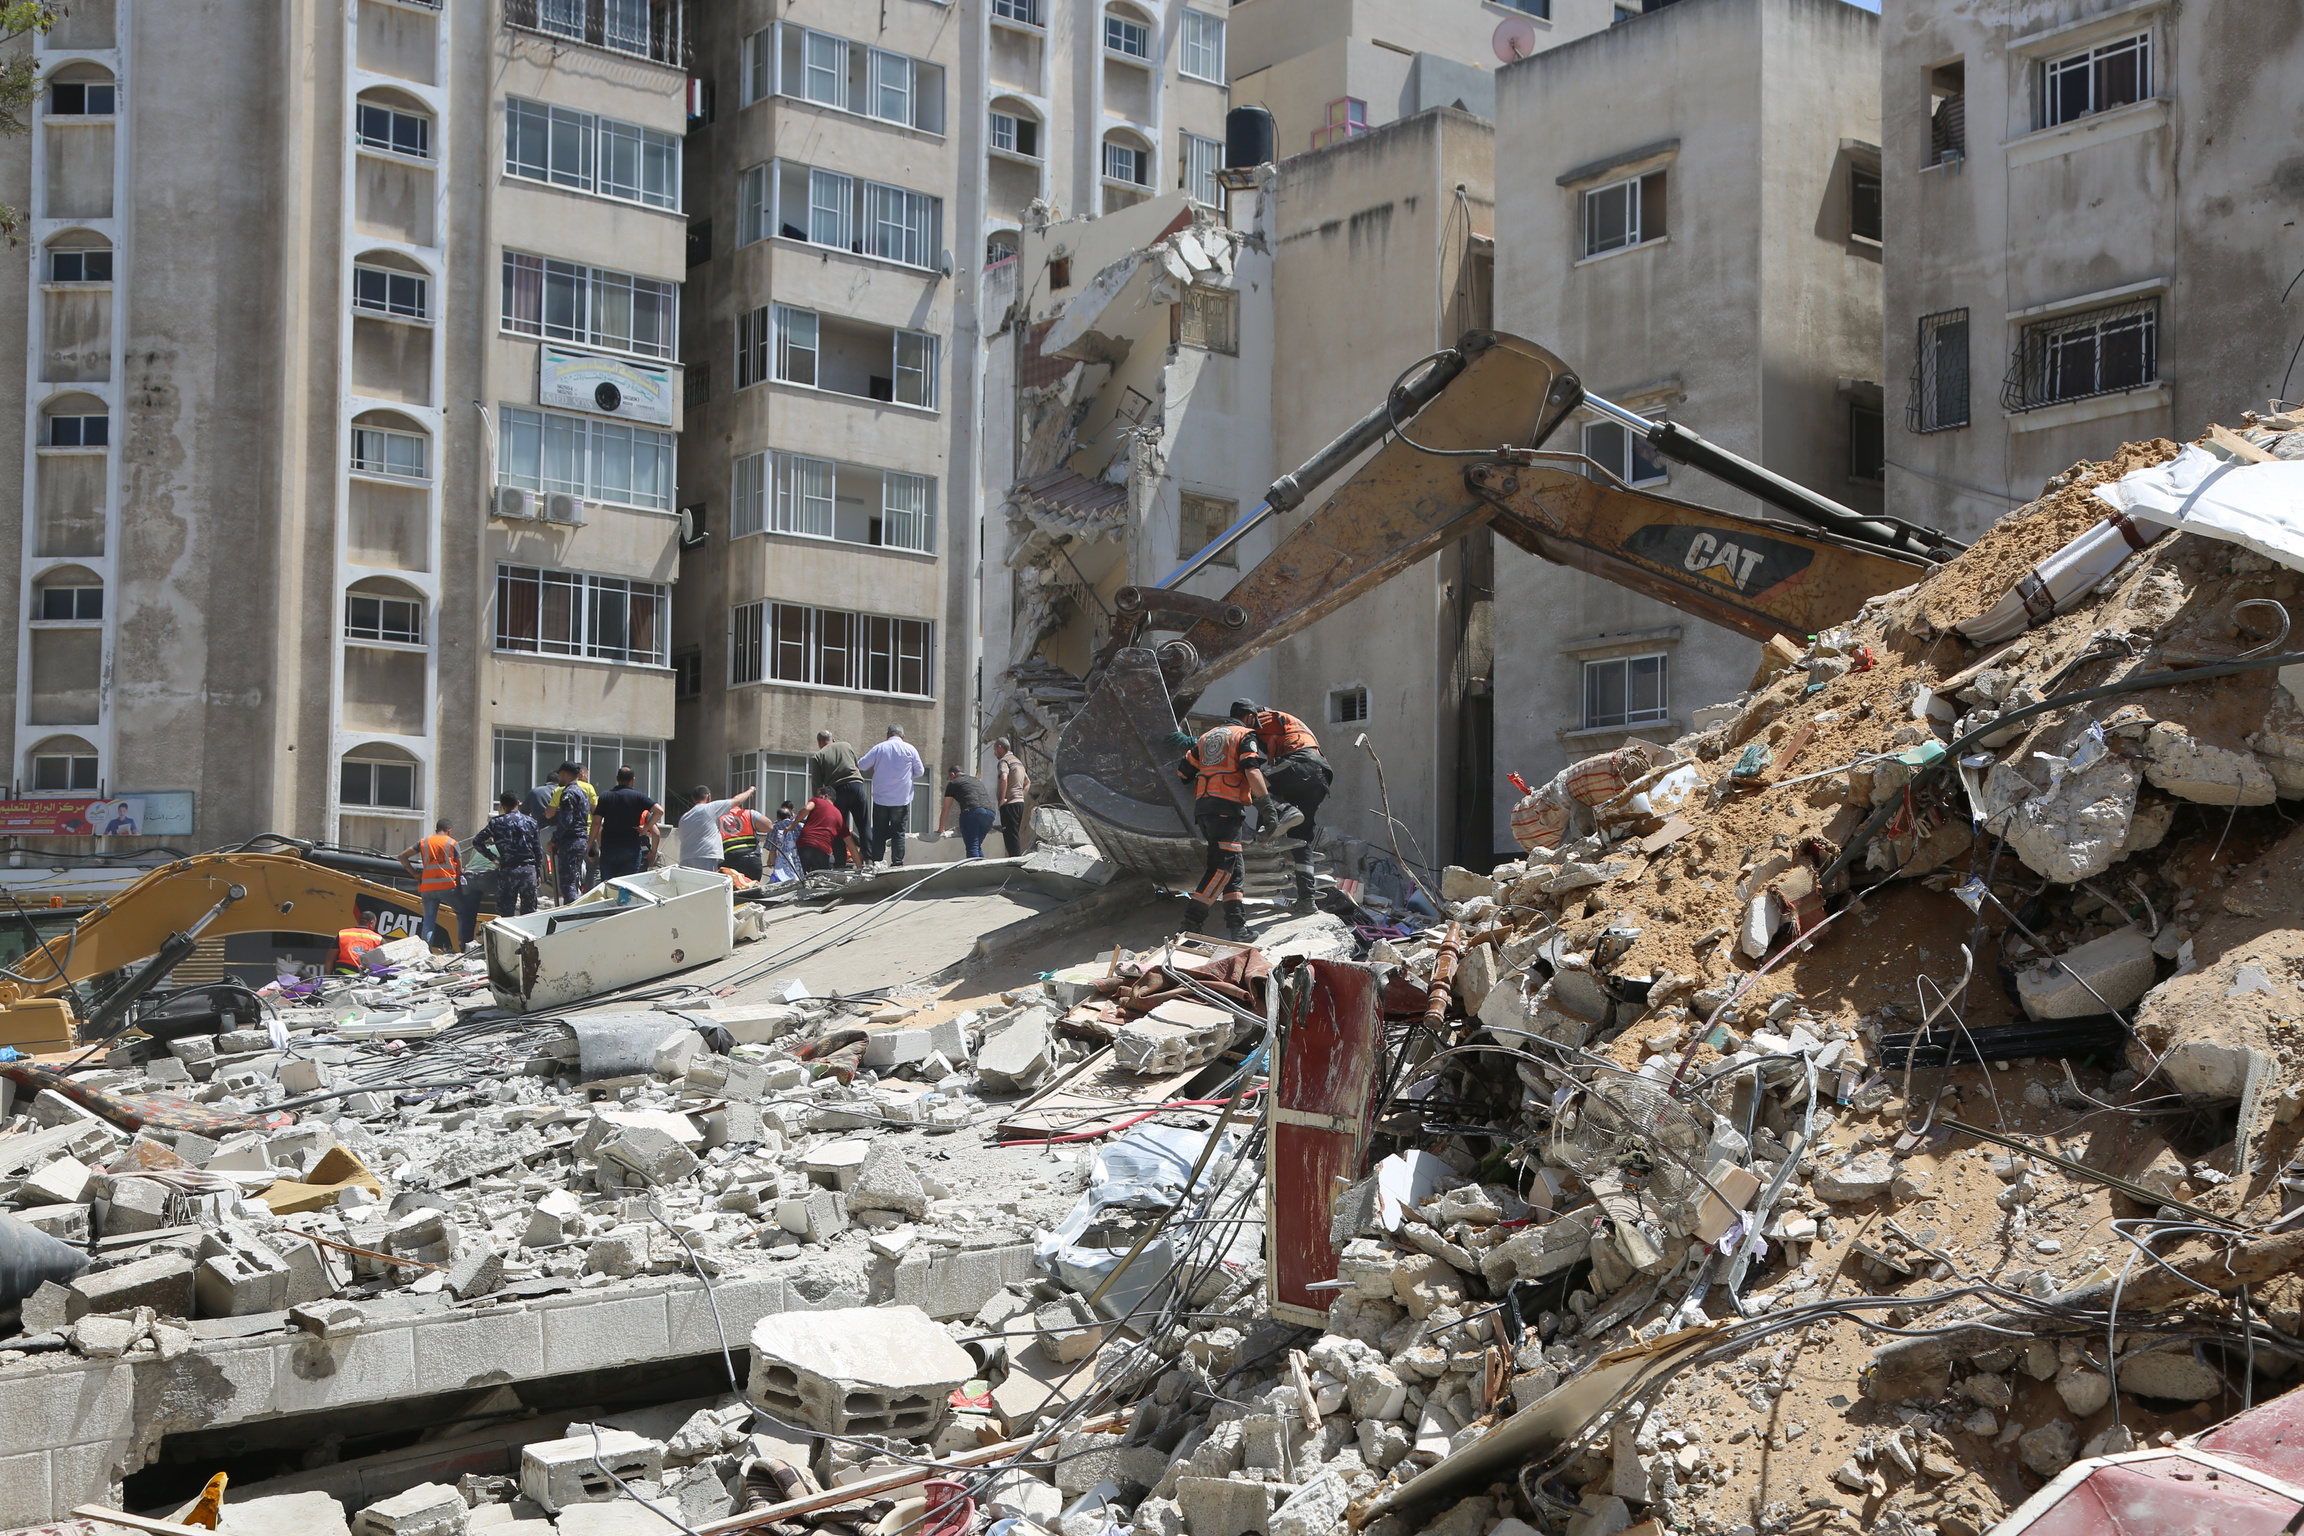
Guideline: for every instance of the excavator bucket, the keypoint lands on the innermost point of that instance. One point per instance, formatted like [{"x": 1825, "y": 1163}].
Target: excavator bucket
[{"x": 1115, "y": 768}]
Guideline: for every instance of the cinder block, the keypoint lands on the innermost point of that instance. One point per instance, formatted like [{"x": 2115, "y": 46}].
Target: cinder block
[
  {"x": 312, "y": 1274},
  {"x": 960, "y": 1282},
  {"x": 858, "y": 1371},
  {"x": 559, "y": 1473},
  {"x": 743, "y": 1299},
  {"x": 1174, "y": 1036},
  {"x": 65, "y": 1223},
  {"x": 62, "y": 1182},
  {"x": 25, "y": 1498},
  {"x": 1223, "y": 1506},
  {"x": 652, "y": 1155},
  {"x": 428, "y": 1509},
  {"x": 239, "y": 1275},
  {"x": 164, "y": 1284},
  {"x": 135, "y": 1205}
]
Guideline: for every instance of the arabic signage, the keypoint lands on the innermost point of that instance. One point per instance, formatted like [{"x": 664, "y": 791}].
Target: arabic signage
[
  {"x": 162, "y": 813},
  {"x": 605, "y": 386}
]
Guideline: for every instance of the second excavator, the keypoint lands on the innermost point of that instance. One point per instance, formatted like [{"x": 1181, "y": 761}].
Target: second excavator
[{"x": 1462, "y": 435}]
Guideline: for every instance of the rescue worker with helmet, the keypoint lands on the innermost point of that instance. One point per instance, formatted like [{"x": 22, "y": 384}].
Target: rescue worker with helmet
[
  {"x": 740, "y": 829},
  {"x": 1298, "y": 776},
  {"x": 1225, "y": 769},
  {"x": 437, "y": 881}
]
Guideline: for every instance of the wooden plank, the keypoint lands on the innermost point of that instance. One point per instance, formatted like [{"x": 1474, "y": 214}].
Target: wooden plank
[
  {"x": 1666, "y": 835},
  {"x": 2239, "y": 447},
  {"x": 1787, "y": 754},
  {"x": 1323, "y": 1077}
]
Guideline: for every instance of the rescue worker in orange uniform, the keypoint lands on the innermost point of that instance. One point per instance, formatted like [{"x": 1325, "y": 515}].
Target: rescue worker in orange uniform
[
  {"x": 1297, "y": 775},
  {"x": 352, "y": 943},
  {"x": 1225, "y": 769},
  {"x": 740, "y": 829},
  {"x": 437, "y": 881}
]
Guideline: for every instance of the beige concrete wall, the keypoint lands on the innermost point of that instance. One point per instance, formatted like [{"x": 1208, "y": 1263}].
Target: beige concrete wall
[
  {"x": 1742, "y": 322},
  {"x": 2191, "y": 196}
]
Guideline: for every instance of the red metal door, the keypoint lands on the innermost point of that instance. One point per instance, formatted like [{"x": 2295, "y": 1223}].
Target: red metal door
[{"x": 1324, "y": 1082}]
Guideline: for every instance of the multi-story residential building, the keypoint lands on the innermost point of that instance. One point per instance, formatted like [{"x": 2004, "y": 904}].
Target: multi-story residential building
[
  {"x": 2093, "y": 232},
  {"x": 349, "y": 408},
  {"x": 1695, "y": 230},
  {"x": 861, "y": 171}
]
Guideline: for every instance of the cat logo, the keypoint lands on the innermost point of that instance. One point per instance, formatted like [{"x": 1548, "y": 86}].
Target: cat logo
[{"x": 1750, "y": 563}]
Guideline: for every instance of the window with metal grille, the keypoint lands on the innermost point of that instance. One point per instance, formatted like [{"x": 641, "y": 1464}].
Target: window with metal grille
[
  {"x": 2072, "y": 357},
  {"x": 1940, "y": 373},
  {"x": 829, "y": 648},
  {"x": 563, "y": 613},
  {"x": 367, "y": 617},
  {"x": 1864, "y": 201},
  {"x": 403, "y": 133},
  {"x": 2096, "y": 80},
  {"x": 696, "y": 386},
  {"x": 688, "y": 674},
  {"x": 1625, "y": 690},
  {"x": 389, "y": 293},
  {"x": 1347, "y": 705},
  {"x": 1209, "y": 317},
  {"x": 1867, "y": 443},
  {"x": 1199, "y": 521},
  {"x": 1629, "y": 212}
]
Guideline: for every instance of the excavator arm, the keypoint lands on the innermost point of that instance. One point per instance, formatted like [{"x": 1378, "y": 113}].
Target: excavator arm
[
  {"x": 1446, "y": 465},
  {"x": 163, "y": 915}
]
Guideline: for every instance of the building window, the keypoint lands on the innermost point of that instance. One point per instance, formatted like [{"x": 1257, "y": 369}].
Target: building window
[
  {"x": 820, "y": 499},
  {"x": 1015, "y": 134},
  {"x": 1626, "y": 691},
  {"x": 403, "y": 133},
  {"x": 71, "y": 604},
  {"x": 367, "y": 617},
  {"x": 1947, "y": 113},
  {"x": 1125, "y": 162},
  {"x": 1628, "y": 212},
  {"x": 403, "y": 455},
  {"x": 591, "y": 154},
  {"x": 849, "y": 77},
  {"x": 1203, "y": 51},
  {"x": 1623, "y": 453},
  {"x": 1541, "y": 8},
  {"x": 1130, "y": 39},
  {"x": 1940, "y": 373},
  {"x": 2072, "y": 357},
  {"x": 647, "y": 29},
  {"x": 1200, "y": 520},
  {"x": 388, "y": 293},
  {"x": 847, "y": 213},
  {"x": 82, "y": 266},
  {"x": 688, "y": 674},
  {"x": 567, "y": 301},
  {"x": 562, "y": 613},
  {"x": 755, "y": 206},
  {"x": 1203, "y": 158},
  {"x": 696, "y": 384},
  {"x": 792, "y": 342},
  {"x": 80, "y": 98},
  {"x": 1209, "y": 317},
  {"x": 365, "y": 781},
  {"x": 605, "y": 461},
  {"x": 2096, "y": 80},
  {"x": 827, "y": 648},
  {"x": 1347, "y": 115},
  {"x": 526, "y": 758},
  {"x": 1347, "y": 706},
  {"x": 780, "y": 777},
  {"x": 1023, "y": 12},
  {"x": 79, "y": 431},
  {"x": 796, "y": 337},
  {"x": 58, "y": 773},
  {"x": 1864, "y": 201},
  {"x": 1867, "y": 443}
]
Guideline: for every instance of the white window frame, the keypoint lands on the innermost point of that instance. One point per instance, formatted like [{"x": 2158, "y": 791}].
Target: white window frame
[
  {"x": 592, "y": 145},
  {"x": 1632, "y": 718},
  {"x": 1629, "y": 457},
  {"x": 590, "y": 446},
  {"x": 588, "y": 597},
  {"x": 407, "y": 635},
  {"x": 69, "y": 759},
  {"x": 756, "y": 204},
  {"x": 832, "y": 641},
  {"x": 1203, "y": 45},
  {"x": 389, "y": 145},
  {"x": 392, "y": 307},
  {"x": 799, "y": 333},
  {"x": 1126, "y": 29},
  {"x": 895, "y": 87},
  {"x": 845, "y": 213},
  {"x": 2087, "y": 64},
  {"x": 594, "y": 293},
  {"x": 40, "y": 615},
  {"x": 375, "y": 450},
  {"x": 1631, "y": 228},
  {"x": 415, "y": 800},
  {"x": 538, "y": 750},
  {"x": 1202, "y": 159},
  {"x": 773, "y": 491},
  {"x": 1139, "y": 159}
]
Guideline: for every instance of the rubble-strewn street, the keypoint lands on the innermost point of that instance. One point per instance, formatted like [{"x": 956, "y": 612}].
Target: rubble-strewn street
[{"x": 1851, "y": 1115}]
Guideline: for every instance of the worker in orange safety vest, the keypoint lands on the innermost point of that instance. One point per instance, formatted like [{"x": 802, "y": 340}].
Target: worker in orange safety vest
[
  {"x": 740, "y": 829},
  {"x": 352, "y": 943},
  {"x": 1225, "y": 769},
  {"x": 437, "y": 881},
  {"x": 1298, "y": 776}
]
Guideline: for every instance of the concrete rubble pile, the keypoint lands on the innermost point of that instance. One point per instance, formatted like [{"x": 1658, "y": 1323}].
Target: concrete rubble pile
[{"x": 1845, "y": 1116}]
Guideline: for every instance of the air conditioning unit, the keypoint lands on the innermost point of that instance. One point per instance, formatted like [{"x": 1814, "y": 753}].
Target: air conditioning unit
[
  {"x": 560, "y": 507},
  {"x": 514, "y": 503}
]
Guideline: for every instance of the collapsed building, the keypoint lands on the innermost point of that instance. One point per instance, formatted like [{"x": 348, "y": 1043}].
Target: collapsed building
[{"x": 1870, "y": 1111}]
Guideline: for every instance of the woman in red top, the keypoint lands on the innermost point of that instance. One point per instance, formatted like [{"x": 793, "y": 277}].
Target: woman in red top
[{"x": 820, "y": 830}]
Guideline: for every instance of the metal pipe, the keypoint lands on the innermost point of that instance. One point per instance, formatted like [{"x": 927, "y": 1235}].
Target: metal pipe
[{"x": 1292, "y": 490}]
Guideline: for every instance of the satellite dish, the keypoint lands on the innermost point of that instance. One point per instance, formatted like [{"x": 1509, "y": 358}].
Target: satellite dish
[{"x": 1515, "y": 39}]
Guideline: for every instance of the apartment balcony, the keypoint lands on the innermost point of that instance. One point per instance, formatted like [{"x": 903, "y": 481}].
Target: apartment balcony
[{"x": 645, "y": 29}]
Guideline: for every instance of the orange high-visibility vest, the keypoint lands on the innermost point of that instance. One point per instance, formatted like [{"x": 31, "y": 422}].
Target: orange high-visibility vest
[
  {"x": 440, "y": 864},
  {"x": 1284, "y": 735},
  {"x": 736, "y": 834},
  {"x": 352, "y": 943},
  {"x": 1216, "y": 761}
]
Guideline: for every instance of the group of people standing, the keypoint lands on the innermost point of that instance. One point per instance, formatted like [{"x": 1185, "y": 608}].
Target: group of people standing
[{"x": 1257, "y": 759}]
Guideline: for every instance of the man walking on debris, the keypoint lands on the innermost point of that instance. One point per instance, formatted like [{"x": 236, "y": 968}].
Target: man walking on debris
[
  {"x": 436, "y": 882},
  {"x": 700, "y": 846},
  {"x": 832, "y": 772},
  {"x": 512, "y": 839},
  {"x": 821, "y": 830},
  {"x": 1225, "y": 769},
  {"x": 1298, "y": 776},
  {"x": 1015, "y": 788},
  {"x": 967, "y": 792},
  {"x": 895, "y": 768},
  {"x": 571, "y": 831}
]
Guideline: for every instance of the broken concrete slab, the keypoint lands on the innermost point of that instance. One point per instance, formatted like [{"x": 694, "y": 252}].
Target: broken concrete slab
[
  {"x": 163, "y": 1283},
  {"x": 885, "y": 1182},
  {"x": 559, "y": 1474},
  {"x": 2104, "y": 975},
  {"x": 886, "y": 1370},
  {"x": 2209, "y": 775},
  {"x": 1015, "y": 1058},
  {"x": 428, "y": 1509}
]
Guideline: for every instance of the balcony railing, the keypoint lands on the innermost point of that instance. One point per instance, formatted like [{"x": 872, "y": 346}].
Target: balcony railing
[{"x": 645, "y": 29}]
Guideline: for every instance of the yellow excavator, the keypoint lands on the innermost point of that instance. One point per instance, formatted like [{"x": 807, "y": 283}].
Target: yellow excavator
[
  {"x": 272, "y": 884},
  {"x": 1451, "y": 465}
]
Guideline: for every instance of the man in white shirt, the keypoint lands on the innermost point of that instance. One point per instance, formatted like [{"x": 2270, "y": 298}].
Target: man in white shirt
[
  {"x": 894, "y": 768},
  {"x": 700, "y": 846}
]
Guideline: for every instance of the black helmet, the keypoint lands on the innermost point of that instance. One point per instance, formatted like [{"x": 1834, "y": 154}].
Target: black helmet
[{"x": 1242, "y": 709}]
